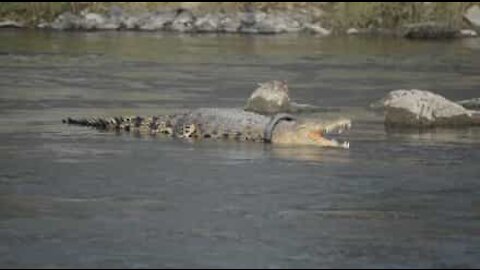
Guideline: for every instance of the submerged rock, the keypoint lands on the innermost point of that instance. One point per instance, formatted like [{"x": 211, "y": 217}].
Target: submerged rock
[
  {"x": 468, "y": 33},
  {"x": 352, "y": 31},
  {"x": 316, "y": 29},
  {"x": 418, "y": 108},
  {"x": 473, "y": 104},
  {"x": 430, "y": 30},
  {"x": 11, "y": 24}
]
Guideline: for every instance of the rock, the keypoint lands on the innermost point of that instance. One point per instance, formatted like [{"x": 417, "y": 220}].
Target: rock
[
  {"x": 316, "y": 29},
  {"x": 130, "y": 22},
  {"x": 44, "y": 25},
  {"x": 183, "y": 22},
  {"x": 155, "y": 21},
  {"x": 473, "y": 104},
  {"x": 249, "y": 21},
  {"x": 229, "y": 23},
  {"x": 468, "y": 33},
  {"x": 472, "y": 15},
  {"x": 66, "y": 21},
  {"x": 352, "y": 31},
  {"x": 263, "y": 23},
  {"x": 429, "y": 30},
  {"x": 208, "y": 23},
  {"x": 93, "y": 21},
  {"x": 11, "y": 24},
  {"x": 270, "y": 97},
  {"x": 417, "y": 108}
]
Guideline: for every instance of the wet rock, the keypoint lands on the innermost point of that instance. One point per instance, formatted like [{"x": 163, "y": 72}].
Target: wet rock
[
  {"x": 43, "y": 25},
  {"x": 154, "y": 21},
  {"x": 249, "y": 21},
  {"x": 66, "y": 21},
  {"x": 429, "y": 30},
  {"x": 418, "y": 108},
  {"x": 183, "y": 22},
  {"x": 208, "y": 23},
  {"x": 10, "y": 24},
  {"x": 307, "y": 108},
  {"x": 224, "y": 23},
  {"x": 468, "y": 33},
  {"x": 352, "y": 31},
  {"x": 131, "y": 22},
  {"x": 316, "y": 29},
  {"x": 371, "y": 31},
  {"x": 263, "y": 23},
  {"x": 273, "y": 97},
  {"x": 270, "y": 97},
  {"x": 473, "y": 104},
  {"x": 93, "y": 21},
  {"x": 230, "y": 23},
  {"x": 472, "y": 15}
]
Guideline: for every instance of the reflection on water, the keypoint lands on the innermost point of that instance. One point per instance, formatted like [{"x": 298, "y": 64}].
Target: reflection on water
[{"x": 75, "y": 197}]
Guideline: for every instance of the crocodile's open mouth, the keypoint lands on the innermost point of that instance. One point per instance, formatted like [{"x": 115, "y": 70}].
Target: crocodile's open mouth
[{"x": 332, "y": 135}]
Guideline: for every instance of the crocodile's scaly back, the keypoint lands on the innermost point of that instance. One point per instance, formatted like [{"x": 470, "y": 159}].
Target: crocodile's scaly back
[
  {"x": 200, "y": 123},
  {"x": 227, "y": 123}
]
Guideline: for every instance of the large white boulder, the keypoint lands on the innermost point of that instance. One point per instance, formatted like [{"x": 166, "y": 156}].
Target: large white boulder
[
  {"x": 418, "y": 108},
  {"x": 472, "y": 104}
]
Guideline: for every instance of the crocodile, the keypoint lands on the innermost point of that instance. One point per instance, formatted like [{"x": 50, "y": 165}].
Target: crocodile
[{"x": 228, "y": 123}]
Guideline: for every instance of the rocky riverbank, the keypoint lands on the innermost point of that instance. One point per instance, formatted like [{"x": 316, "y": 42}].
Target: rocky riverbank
[
  {"x": 267, "y": 18},
  {"x": 184, "y": 21}
]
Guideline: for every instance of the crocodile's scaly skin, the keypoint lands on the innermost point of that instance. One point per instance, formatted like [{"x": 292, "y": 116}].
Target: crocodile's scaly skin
[{"x": 200, "y": 123}]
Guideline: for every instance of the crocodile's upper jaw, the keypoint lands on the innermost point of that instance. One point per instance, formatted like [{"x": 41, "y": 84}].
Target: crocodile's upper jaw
[{"x": 311, "y": 132}]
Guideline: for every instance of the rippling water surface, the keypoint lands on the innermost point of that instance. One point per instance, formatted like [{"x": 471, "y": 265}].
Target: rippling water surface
[{"x": 75, "y": 197}]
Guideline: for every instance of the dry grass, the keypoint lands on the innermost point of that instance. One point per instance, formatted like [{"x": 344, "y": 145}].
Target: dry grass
[{"x": 394, "y": 14}]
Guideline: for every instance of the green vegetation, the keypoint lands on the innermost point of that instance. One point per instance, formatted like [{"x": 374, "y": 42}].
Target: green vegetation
[
  {"x": 32, "y": 12},
  {"x": 394, "y": 14},
  {"x": 336, "y": 15}
]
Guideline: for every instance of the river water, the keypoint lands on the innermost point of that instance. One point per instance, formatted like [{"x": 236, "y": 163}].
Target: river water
[{"x": 75, "y": 197}]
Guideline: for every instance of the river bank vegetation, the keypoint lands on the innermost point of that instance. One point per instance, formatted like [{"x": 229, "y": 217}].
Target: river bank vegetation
[{"x": 336, "y": 16}]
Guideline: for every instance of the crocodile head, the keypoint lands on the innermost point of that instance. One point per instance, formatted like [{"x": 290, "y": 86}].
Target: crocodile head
[{"x": 322, "y": 133}]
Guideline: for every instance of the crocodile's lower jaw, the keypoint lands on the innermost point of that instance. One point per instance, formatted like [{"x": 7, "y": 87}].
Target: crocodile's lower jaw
[{"x": 318, "y": 139}]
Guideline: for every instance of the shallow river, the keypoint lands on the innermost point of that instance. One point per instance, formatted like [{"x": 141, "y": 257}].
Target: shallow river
[{"x": 75, "y": 197}]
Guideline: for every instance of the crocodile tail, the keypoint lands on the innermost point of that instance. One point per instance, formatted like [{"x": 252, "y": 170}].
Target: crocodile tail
[{"x": 106, "y": 123}]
